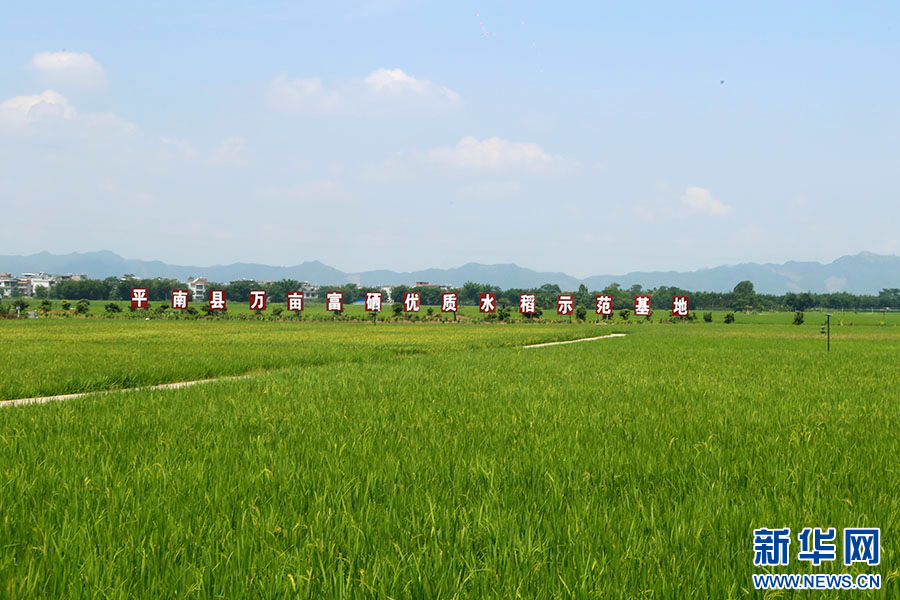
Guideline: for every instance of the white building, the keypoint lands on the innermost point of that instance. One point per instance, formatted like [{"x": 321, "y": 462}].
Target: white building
[
  {"x": 310, "y": 290},
  {"x": 7, "y": 284},
  {"x": 199, "y": 287}
]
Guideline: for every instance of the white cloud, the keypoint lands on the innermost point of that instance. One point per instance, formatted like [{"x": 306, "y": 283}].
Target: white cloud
[
  {"x": 381, "y": 90},
  {"x": 24, "y": 110},
  {"x": 492, "y": 153},
  {"x": 230, "y": 153},
  {"x": 395, "y": 81},
  {"x": 470, "y": 155},
  {"x": 52, "y": 112},
  {"x": 64, "y": 68},
  {"x": 700, "y": 200},
  {"x": 302, "y": 95}
]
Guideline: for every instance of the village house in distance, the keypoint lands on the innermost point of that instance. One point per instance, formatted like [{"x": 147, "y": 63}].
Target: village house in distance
[{"x": 28, "y": 283}]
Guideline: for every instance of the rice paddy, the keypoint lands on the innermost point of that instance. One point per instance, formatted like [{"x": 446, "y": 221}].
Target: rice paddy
[{"x": 438, "y": 460}]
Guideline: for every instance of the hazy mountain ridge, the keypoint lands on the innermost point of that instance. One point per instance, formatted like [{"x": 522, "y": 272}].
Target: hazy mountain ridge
[{"x": 863, "y": 273}]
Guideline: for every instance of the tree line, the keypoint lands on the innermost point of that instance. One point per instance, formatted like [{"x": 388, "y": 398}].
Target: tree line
[{"x": 742, "y": 298}]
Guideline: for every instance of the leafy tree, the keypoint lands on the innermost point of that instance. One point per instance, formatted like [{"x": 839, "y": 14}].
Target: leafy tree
[
  {"x": 580, "y": 313},
  {"x": 86, "y": 289},
  {"x": 890, "y": 297},
  {"x": 798, "y": 317},
  {"x": 743, "y": 296},
  {"x": 41, "y": 292},
  {"x": 799, "y": 302},
  {"x": 239, "y": 291},
  {"x": 397, "y": 308},
  {"x": 546, "y": 295},
  {"x": 20, "y": 304},
  {"x": 278, "y": 291},
  {"x": 583, "y": 296}
]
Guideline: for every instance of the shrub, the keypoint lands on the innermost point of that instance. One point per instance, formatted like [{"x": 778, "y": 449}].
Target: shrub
[
  {"x": 581, "y": 313},
  {"x": 276, "y": 312},
  {"x": 624, "y": 314},
  {"x": 798, "y": 317},
  {"x": 45, "y": 306},
  {"x": 82, "y": 306},
  {"x": 707, "y": 317},
  {"x": 65, "y": 305},
  {"x": 112, "y": 307},
  {"x": 729, "y": 317}
]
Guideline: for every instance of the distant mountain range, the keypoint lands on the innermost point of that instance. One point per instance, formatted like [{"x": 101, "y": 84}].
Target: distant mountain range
[{"x": 863, "y": 273}]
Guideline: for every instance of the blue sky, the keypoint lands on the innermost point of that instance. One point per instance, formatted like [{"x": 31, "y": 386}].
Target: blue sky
[{"x": 587, "y": 138}]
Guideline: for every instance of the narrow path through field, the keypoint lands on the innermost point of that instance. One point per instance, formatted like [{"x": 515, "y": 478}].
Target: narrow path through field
[
  {"x": 182, "y": 384},
  {"x": 590, "y": 339},
  {"x": 162, "y": 386}
]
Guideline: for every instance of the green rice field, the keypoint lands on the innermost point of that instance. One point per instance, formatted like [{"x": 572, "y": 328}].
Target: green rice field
[{"x": 441, "y": 460}]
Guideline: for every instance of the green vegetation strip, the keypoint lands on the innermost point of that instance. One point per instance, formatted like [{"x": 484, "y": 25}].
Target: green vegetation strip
[
  {"x": 51, "y": 357},
  {"x": 634, "y": 469}
]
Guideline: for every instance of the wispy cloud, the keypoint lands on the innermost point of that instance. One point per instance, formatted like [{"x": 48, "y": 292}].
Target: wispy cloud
[
  {"x": 700, "y": 200},
  {"x": 231, "y": 153},
  {"x": 65, "y": 68},
  {"x": 51, "y": 111},
  {"x": 470, "y": 155},
  {"x": 383, "y": 89}
]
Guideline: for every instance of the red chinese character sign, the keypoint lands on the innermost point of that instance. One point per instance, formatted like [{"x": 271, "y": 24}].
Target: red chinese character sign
[
  {"x": 411, "y": 301},
  {"x": 334, "y": 301},
  {"x": 604, "y": 305},
  {"x": 565, "y": 304},
  {"x": 257, "y": 299},
  {"x": 139, "y": 298},
  {"x": 487, "y": 303},
  {"x": 449, "y": 302},
  {"x": 680, "y": 306},
  {"x": 642, "y": 306},
  {"x": 180, "y": 299},
  {"x": 217, "y": 300},
  {"x": 373, "y": 301},
  {"x": 295, "y": 301},
  {"x": 527, "y": 304}
]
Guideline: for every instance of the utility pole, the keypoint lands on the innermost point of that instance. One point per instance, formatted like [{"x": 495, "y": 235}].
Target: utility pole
[{"x": 828, "y": 325}]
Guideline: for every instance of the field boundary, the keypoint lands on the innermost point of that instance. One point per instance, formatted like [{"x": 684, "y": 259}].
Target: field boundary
[
  {"x": 590, "y": 339},
  {"x": 183, "y": 384},
  {"x": 162, "y": 386}
]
